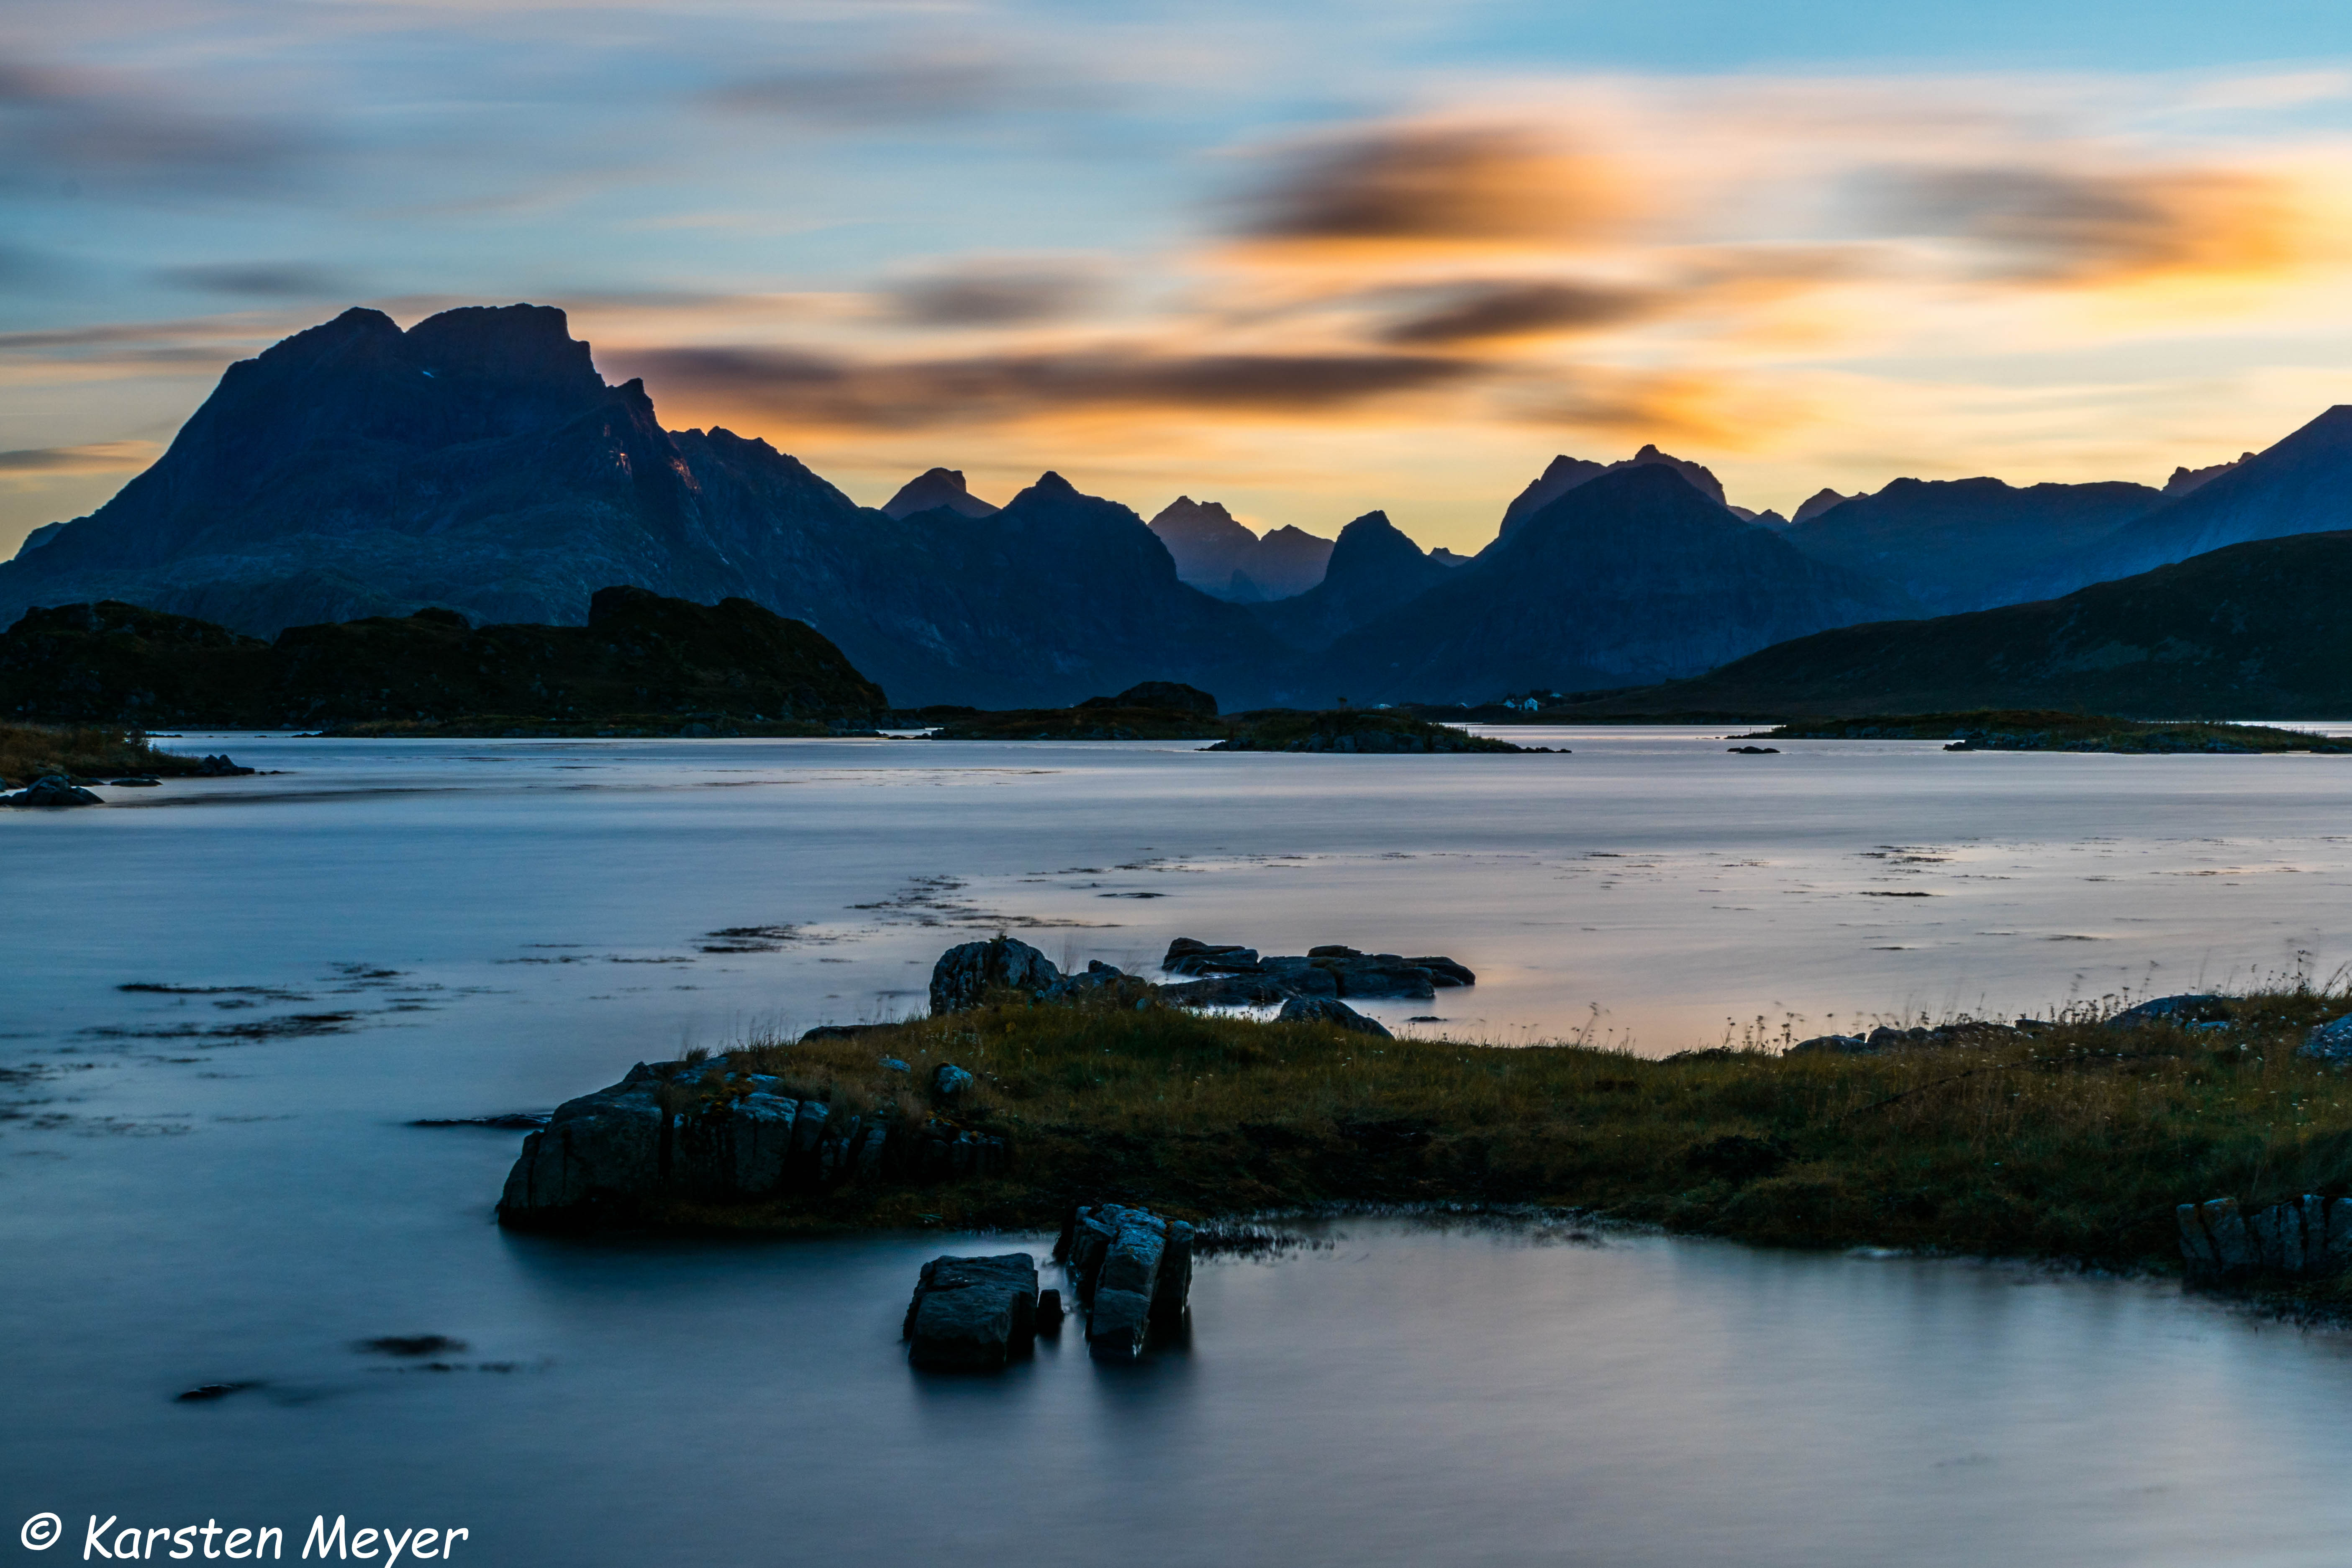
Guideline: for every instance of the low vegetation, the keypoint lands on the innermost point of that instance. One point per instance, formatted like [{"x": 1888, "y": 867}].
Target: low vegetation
[
  {"x": 28, "y": 751},
  {"x": 2002, "y": 730},
  {"x": 2068, "y": 1140}
]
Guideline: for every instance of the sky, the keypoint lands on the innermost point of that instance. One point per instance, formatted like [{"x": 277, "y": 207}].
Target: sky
[{"x": 1306, "y": 258}]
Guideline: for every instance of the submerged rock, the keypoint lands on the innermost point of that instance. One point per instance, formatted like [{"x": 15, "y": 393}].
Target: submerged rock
[
  {"x": 966, "y": 976},
  {"x": 1331, "y": 969},
  {"x": 972, "y": 1314}
]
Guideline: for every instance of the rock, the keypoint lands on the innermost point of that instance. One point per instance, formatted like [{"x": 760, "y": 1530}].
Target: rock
[
  {"x": 51, "y": 792},
  {"x": 1186, "y": 956},
  {"x": 138, "y": 784},
  {"x": 2188, "y": 1008},
  {"x": 1230, "y": 991},
  {"x": 892, "y": 1063},
  {"x": 1753, "y": 751},
  {"x": 966, "y": 976},
  {"x": 1300, "y": 977},
  {"x": 972, "y": 1314},
  {"x": 1330, "y": 1010},
  {"x": 220, "y": 767},
  {"x": 205, "y": 1392},
  {"x": 1132, "y": 1269},
  {"x": 1049, "y": 1311},
  {"x": 841, "y": 1031},
  {"x": 600, "y": 1147},
  {"x": 2328, "y": 1042},
  {"x": 948, "y": 1081},
  {"x": 1445, "y": 972},
  {"x": 1100, "y": 982},
  {"x": 1830, "y": 1045},
  {"x": 2309, "y": 1236}
]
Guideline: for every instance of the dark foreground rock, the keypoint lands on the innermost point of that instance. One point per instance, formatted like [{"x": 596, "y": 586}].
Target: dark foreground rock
[
  {"x": 966, "y": 977},
  {"x": 2187, "y": 1010},
  {"x": 709, "y": 1131},
  {"x": 1970, "y": 1032},
  {"x": 51, "y": 794},
  {"x": 2308, "y": 1237},
  {"x": 972, "y": 1314},
  {"x": 1228, "y": 976},
  {"x": 1330, "y": 1010},
  {"x": 1132, "y": 1271},
  {"x": 1327, "y": 971}
]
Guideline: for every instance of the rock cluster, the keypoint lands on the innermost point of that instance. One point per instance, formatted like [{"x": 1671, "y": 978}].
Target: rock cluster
[
  {"x": 220, "y": 767},
  {"x": 2307, "y": 1235},
  {"x": 1133, "y": 1273},
  {"x": 709, "y": 1131},
  {"x": 1240, "y": 974},
  {"x": 2328, "y": 1042},
  {"x": 51, "y": 791},
  {"x": 972, "y": 1314},
  {"x": 1968, "y": 1033},
  {"x": 1218, "y": 975},
  {"x": 1330, "y": 1010}
]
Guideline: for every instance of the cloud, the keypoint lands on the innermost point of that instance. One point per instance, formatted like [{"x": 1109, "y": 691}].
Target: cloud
[
  {"x": 883, "y": 90},
  {"x": 825, "y": 390},
  {"x": 987, "y": 293},
  {"x": 127, "y": 133},
  {"x": 1485, "y": 312},
  {"x": 1446, "y": 184},
  {"x": 2055, "y": 225},
  {"x": 260, "y": 279},
  {"x": 98, "y": 458}
]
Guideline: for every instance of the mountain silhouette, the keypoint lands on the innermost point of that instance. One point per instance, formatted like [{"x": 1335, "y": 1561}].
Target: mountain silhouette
[
  {"x": 1373, "y": 568},
  {"x": 478, "y": 461}
]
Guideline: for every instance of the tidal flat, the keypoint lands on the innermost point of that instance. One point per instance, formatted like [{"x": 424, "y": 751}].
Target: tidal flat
[{"x": 211, "y": 1185}]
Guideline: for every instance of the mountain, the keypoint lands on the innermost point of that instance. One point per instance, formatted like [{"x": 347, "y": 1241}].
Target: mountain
[
  {"x": 937, "y": 487},
  {"x": 1632, "y": 577},
  {"x": 2185, "y": 478},
  {"x": 1965, "y": 544},
  {"x": 2250, "y": 631},
  {"x": 1219, "y": 555},
  {"x": 2302, "y": 485},
  {"x": 1373, "y": 568},
  {"x": 1819, "y": 501},
  {"x": 478, "y": 461},
  {"x": 1565, "y": 474},
  {"x": 641, "y": 659}
]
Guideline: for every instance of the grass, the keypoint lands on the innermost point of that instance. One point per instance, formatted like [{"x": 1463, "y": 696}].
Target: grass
[
  {"x": 28, "y": 751},
  {"x": 2005, "y": 729},
  {"x": 2076, "y": 1141}
]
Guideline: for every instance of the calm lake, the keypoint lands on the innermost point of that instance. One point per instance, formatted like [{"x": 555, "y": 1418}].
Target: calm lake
[{"x": 213, "y": 1180}]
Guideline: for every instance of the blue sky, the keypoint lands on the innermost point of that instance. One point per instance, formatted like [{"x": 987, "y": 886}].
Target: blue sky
[{"x": 1308, "y": 259}]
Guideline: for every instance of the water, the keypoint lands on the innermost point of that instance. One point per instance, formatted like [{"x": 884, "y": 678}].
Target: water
[{"x": 499, "y": 925}]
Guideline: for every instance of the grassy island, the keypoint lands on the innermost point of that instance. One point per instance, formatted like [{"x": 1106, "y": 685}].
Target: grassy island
[
  {"x": 34, "y": 751},
  {"x": 2072, "y": 1140},
  {"x": 2005, "y": 729}
]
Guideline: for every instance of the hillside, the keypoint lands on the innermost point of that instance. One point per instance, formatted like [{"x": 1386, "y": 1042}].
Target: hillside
[
  {"x": 2253, "y": 631},
  {"x": 642, "y": 659}
]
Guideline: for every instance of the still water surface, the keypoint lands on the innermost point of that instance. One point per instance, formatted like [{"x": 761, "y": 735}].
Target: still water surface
[{"x": 193, "y": 1190}]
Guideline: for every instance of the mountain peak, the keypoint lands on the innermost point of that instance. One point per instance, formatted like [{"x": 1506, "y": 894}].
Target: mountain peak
[
  {"x": 2185, "y": 478},
  {"x": 937, "y": 487},
  {"x": 1819, "y": 501}
]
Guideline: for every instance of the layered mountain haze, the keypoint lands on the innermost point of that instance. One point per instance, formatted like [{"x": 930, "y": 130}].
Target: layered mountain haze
[
  {"x": 1963, "y": 545},
  {"x": 1220, "y": 556},
  {"x": 1631, "y": 577},
  {"x": 1373, "y": 569},
  {"x": 937, "y": 487}
]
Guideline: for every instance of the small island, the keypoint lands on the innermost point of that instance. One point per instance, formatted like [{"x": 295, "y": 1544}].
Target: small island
[
  {"x": 2003, "y": 730},
  {"x": 1028, "y": 1092}
]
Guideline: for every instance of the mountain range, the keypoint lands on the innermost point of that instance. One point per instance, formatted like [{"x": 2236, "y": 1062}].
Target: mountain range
[{"x": 477, "y": 462}]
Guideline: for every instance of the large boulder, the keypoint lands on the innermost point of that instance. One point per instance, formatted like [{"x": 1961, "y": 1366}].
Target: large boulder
[
  {"x": 965, "y": 976},
  {"x": 1330, "y": 1010},
  {"x": 972, "y": 1314},
  {"x": 2186, "y": 1010},
  {"x": 51, "y": 792},
  {"x": 2328, "y": 1042},
  {"x": 604, "y": 1146}
]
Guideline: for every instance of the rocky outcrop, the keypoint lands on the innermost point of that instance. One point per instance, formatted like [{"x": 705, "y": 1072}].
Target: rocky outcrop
[
  {"x": 1132, "y": 1271},
  {"x": 1167, "y": 696},
  {"x": 2310, "y": 1236},
  {"x": 1970, "y": 1032},
  {"x": 1327, "y": 971},
  {"x": 2188, "y": 1010},
  {"x": 966, "y": 977},
  {"x": 712, "y": 1131},
  {"x": 972, "y": 1314},
  {"x": 51, "y": 792},
  {"x": 937, "y": 487}
]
